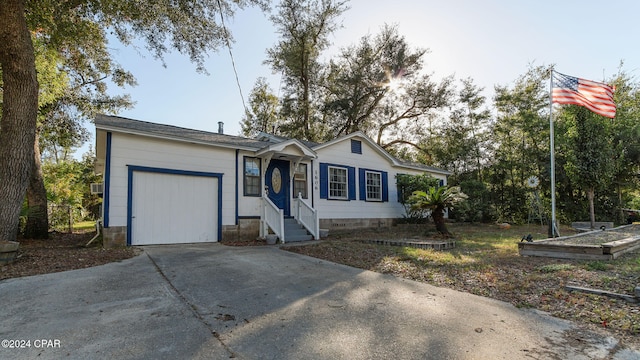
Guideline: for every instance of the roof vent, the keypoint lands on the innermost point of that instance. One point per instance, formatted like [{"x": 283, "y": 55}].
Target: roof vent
[{"x": 220, "y": 127}]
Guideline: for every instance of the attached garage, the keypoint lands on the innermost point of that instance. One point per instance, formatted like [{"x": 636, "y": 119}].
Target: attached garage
[{"x": 173, "y": 206}]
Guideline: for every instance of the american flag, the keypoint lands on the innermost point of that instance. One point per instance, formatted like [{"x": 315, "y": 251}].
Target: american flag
[{"x": 595, "y": 96}]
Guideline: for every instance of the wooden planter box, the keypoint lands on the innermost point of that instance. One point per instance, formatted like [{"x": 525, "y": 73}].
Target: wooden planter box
[
  {"x": 8, "y": 252},
  {"x": 563, "y": 248}
]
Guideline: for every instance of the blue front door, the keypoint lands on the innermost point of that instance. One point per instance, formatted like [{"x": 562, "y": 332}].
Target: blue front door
[{"x": 277, "y": 181}]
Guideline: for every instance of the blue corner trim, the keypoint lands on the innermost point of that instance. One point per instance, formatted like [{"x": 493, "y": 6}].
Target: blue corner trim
[
  {"x": 134, "y": 168},
  {"x": 237, "y": 176},
  {"x": 107, "y": 182}
]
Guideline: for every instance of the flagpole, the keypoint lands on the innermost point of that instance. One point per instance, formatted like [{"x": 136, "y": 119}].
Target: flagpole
[{"x": 553, "y": 227}]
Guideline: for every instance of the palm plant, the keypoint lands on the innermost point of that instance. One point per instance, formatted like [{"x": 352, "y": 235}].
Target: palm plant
[{"x": 437, "y": 199}]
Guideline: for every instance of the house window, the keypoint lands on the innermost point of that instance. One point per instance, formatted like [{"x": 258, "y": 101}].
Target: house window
[
  {"x": 251, "y": 176},
  {"x": 338, "y": 183},
  {"x": 300, "y": 181},
  {"x": 374, "y": 186},
  {"x": 356, "y": 146}
]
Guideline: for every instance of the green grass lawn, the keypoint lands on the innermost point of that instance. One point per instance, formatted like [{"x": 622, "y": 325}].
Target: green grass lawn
[{"x": 84, "y": 226}]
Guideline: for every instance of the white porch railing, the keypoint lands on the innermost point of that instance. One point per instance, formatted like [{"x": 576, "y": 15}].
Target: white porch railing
[
  {"x": 306, "y": 216},
  {"x": 273, "y": 218}
]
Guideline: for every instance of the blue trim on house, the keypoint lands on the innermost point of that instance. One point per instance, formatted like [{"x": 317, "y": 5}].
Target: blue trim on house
[
  {"x": 324, "y": 181},
  {"x": 385, "y": 186},
  {"x": 362, "y": 183},
  {"x": 132, "y": 168},
  {"x": 351, "y": 182},
  {"x": 107, "y": 182},
  {"x": 237, "y": 184}
]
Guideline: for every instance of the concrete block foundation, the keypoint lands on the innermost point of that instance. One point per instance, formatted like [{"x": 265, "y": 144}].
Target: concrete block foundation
[
  {"x": 346, "y": 224},
  {"x": 114, "y": 236}
]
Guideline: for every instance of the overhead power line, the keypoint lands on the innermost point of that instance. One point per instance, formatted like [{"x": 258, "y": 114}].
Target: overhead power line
[{"x": 233, "y": 63}]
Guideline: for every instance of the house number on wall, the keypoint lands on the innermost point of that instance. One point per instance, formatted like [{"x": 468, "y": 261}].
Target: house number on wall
[
  {"x": 276, "y": 181},
  {"x": 315, "y": 179}
]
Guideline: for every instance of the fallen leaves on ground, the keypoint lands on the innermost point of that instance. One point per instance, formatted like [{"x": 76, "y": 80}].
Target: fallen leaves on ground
[
  {"x": 493, "y": 268},
  {"x": 61, "y": 252}
]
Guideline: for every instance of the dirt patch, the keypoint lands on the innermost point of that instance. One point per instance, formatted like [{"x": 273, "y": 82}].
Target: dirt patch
[
  {"x": 255, "y": 242},
  {"x": 61, "y": 252}
]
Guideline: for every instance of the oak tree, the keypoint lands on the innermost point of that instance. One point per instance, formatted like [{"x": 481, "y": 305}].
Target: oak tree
[{"x": 191, "y": 27}]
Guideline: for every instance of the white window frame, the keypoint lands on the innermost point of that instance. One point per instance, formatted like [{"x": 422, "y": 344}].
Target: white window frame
[
  {"x": 246, "y": 176},
  {"x": 379, "y": 185},
  {"x": 346, "y": 183},
  {"x": 301, "y": 176}
]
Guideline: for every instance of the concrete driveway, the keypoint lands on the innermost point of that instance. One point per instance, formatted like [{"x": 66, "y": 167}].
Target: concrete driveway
[{"x": 209, "y": 301}]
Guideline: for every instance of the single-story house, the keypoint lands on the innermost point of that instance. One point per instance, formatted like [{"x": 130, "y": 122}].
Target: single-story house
[{"x": 164, "y": 184}]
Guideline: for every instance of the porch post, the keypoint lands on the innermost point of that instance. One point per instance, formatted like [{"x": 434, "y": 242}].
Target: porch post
[{"x": 262, "y": 217}]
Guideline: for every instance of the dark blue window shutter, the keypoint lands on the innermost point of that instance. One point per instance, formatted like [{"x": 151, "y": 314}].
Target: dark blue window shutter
[
  {"x": 385, "y": 186},
  {"x": 363, "y": 184},
  {"x": 440, "y": 183},
  {"x": 324, "y": 181},
  {"x": 352, "y": 183}
]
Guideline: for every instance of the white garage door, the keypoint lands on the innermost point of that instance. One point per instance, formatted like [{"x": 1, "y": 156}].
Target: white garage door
[{"x": 172, "y": 209}]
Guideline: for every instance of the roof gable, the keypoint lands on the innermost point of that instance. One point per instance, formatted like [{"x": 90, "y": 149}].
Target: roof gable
[
  {"x": 292, "y": 146},
  {"x": 359, "y": 135}
]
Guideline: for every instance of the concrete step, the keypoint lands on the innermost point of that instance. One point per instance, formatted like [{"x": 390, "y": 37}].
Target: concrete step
[
  {"x": 295, "y": 232},
  {"x": 297, "y": 238}
]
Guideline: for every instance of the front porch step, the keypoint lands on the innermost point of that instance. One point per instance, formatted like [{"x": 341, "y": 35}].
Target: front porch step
[{"x": 294, "y": 232}]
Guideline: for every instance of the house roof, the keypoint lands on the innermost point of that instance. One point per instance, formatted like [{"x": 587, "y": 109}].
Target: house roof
[
  {"x": 278, "y": 139},
  {"x": 395, "y": 161},
  {"x": 116, "y": 123},
  {"x": 279, "y": 147},
  {"x": 264, "y": 142}
]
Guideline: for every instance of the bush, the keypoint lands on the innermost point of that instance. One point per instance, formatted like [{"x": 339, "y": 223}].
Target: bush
[
  {"x": 407, "y": 185},
  {"x": 476, "y": 208},
  {"x": 59, "y": 216}
]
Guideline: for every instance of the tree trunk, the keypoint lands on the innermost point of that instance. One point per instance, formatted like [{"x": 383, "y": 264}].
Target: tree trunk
[
  {"x": 439, "y": 221},
  {"x": 592, "y": 213},
  {"x": 19, "y": 111},
  {"x": 37, "y": 217}
]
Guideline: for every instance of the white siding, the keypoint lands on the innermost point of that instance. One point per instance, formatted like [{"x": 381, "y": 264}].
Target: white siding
[
  {"x": 142, "y": 151},
  {"x": 340, "y": 154}
]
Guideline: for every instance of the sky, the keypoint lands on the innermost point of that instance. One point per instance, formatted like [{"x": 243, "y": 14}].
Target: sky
[{"x": 491, "y": 41}]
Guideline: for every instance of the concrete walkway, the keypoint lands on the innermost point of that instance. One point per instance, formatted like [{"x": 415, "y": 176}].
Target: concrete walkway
[{"x": 215, "y": 302}]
